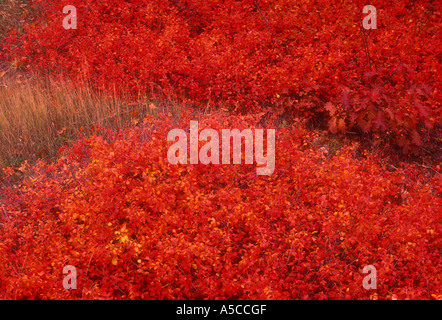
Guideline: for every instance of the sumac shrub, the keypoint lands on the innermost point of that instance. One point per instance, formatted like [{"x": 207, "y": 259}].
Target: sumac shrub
[
  {"x": 305, "y": 57},
  {"x": 136, "y": 227}
]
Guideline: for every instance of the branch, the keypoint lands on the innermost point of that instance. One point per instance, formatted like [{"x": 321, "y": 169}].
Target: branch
[{"x": 366, "y": 45}]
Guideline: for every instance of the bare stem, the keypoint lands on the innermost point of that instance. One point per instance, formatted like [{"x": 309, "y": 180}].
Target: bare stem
[{"x": 366, "y": 45}]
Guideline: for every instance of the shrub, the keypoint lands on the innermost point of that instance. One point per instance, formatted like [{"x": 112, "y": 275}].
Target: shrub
[
  {"x": 304, "y": 57},
  {"x": 136, "y": 227}
]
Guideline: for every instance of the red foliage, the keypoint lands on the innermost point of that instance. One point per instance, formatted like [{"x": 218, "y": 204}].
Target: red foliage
[
  {"x": 135, "y": 226},
  {"x": 298, "y": 56}
]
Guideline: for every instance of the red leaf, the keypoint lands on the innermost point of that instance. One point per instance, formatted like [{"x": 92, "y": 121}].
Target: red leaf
[
  {"x": 415, "y": 138},
  {"x": 332, "y": 125},
  {"x": 422, "y": 109},
  {"x": 345, "y": 99},
  {"x": 330, "y": 108},
  {"x": 380, "y": 123}
]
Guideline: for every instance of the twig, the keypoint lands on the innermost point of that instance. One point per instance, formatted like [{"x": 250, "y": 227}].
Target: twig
[
  {"x": 255, "y": 2},
  {"x": 6, "y": 214},
  {"x": 427, "y": 167},
  {"x": 366, "y": 46},
  {"x": 90, "y": 259},
  {"x": 290, "y": 253},
  {"x": 262, "y": 14}
]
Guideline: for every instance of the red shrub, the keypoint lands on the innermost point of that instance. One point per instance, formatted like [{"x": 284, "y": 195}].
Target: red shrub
[
  {"x": 135, "y": 226},
  {"x": 305, "y": 57}
]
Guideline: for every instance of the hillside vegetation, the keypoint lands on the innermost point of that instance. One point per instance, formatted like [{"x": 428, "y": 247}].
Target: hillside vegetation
[{"x": 357, "y": 177}]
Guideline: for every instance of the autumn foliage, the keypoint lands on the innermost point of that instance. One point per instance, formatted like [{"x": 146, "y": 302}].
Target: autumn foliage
[
  {"x": 305, "y": 57},
  {"x": 137, "y": 227}
]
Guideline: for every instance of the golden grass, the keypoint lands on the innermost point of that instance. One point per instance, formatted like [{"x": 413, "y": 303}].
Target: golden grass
[{"x": 39, "y": 116}]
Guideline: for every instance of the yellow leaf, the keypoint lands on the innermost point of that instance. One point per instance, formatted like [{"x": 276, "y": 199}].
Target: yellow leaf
[{"x": 114, "y": 261}]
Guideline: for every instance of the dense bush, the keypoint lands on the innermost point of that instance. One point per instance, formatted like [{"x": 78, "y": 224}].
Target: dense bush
[
  {"x": 135, "y": 226},
  {"x": 305, "y": 57}
]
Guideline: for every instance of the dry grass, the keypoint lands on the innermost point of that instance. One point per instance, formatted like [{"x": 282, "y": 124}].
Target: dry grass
[
  {"x": 39, "y": 116},
  {"x": 13, "y": 14}
]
